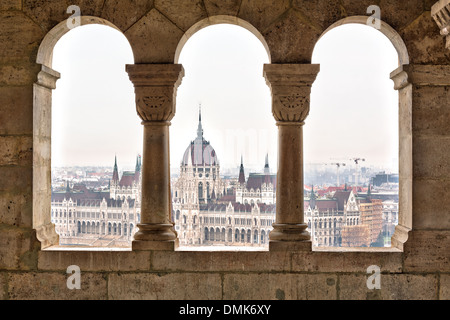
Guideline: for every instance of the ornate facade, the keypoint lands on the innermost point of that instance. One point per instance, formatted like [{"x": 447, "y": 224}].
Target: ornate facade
[
  {"x": 206, "y": 213},
  {"x": 99, "y": 219},
  {"x": 348, "y": 219}
]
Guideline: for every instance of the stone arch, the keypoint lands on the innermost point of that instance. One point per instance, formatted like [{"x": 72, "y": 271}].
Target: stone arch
[
  {"x": 42, "y": 104},
  {"x": 219, "y": 19},
  {"x": 385, "y": 29},
  {"x": 45, "y": 51},
  {"x": 400, "y": 79}
]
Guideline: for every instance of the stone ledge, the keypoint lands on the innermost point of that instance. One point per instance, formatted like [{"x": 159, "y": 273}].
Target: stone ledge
[
  {"x": 95, "y": 260},
  {"x": 220, "y": 261}
]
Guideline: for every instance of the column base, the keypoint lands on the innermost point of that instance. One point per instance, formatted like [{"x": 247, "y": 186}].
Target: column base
[
  {"x": 155, "y": 237},
  {"x": 142, "y": 245},
  {"x": 290, "y": 245},
  {"x": 289, "y": 232}
]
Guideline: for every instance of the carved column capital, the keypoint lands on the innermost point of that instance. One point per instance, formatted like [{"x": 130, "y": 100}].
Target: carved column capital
[
  {"x": 155, "y": 88},
  {"x": 291, "y": 89},
  {"x": 440, "y": 12}
]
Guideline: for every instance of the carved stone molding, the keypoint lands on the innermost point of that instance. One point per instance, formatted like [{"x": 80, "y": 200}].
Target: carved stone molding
[
  {"x": 421, "y": 75},
  {"x": 440, "y": 12},
  {"x": 47, "y": 77},
  {"x": 155, "y": 88},
  {"x": 400, "y": 78},
  {"x": 291, "y": 89},
  {"x": 47, "y": 235}
]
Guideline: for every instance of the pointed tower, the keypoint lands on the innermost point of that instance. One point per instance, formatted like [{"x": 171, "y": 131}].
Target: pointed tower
[
  {"x": 115, "y": 172},
  {"x": 267, "y": 179},
  {"x": 312, "y": 198},
  {"x": 266, "y": 166},
  {"x": 241, "y": 172},
  {"x": 138, "y": 163},
  {"x": 115, "y": 181},
  {"x": 200, "y": 128}
]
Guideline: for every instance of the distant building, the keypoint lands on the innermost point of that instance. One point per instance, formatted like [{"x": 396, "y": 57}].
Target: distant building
[
  {"x": 344, "y": 218},
  {"x": 384, "y": 178},
  {"x": 205, "y": 213},
  {"x": 99, "y": 218}
]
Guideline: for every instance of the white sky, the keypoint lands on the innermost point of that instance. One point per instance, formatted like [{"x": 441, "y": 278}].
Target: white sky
[{"x": 353, "y": 104}]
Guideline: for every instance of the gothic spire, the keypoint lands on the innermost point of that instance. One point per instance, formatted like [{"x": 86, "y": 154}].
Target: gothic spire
[
  {"x": 200, "y": 128},
  {"x": 312, "y": 198},
  {"x": 241, "y": 172},
  {"x": 266, "y": 166},
  {"x": 116, "y": 171}
]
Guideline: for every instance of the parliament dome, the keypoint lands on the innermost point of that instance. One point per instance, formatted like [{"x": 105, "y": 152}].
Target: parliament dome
[{"x": 200, "y": 152}]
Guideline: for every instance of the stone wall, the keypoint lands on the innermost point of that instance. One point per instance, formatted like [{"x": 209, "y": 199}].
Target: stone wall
[{"x": 419, "y": 269}]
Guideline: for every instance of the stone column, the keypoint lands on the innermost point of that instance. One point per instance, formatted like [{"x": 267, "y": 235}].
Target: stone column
[
  {"x": 291, "y": 87},
  {"x": 42, "y": 110},
  {"x": 155, "y": 89}
]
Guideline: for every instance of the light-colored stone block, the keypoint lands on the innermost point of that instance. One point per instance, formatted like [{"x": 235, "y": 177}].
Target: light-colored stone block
[
  {"x": 16, "y": 179},
  {"x": 291, "y": 39},
  {"x": 262, "y": 13},
  {"x": 427, "y": 251},
  {"x": 174, "y": 286},
  {"x": 53, "y": 286},
  {"x": 154, "y": 38},
  {"x": 429, "y": 164},
  {"x": 220, "y": 261},
  {"x": 94, "y": 260},
  {"x": 392, "y": 287},
  {"x": 16, "y": 113},
  {"x": 444, "y": 287},
  {"x": 431, "y": 204},
  {"x": 15, "y": 208},
  {"x": 220, "y": 7},
  {"x": 16, "y": 150},
  {"x": 268, "y": 286},
  {"x": 124, "y": 14},
  {"x": 183, "y": 13},
  {"x": 431, "y": 110},
  {"x": 18, "y": 249},
  {"x": 346, "y": 261}
]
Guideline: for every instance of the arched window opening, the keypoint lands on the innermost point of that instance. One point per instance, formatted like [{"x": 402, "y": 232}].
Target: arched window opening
[
  {"x": 93, "y": 97},
  {"x": 352, "y": 133},
  {"x": 223, "y": 87}
]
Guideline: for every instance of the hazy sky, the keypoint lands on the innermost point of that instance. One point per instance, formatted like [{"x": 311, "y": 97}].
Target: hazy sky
[{"x": 353, "y": 105}]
